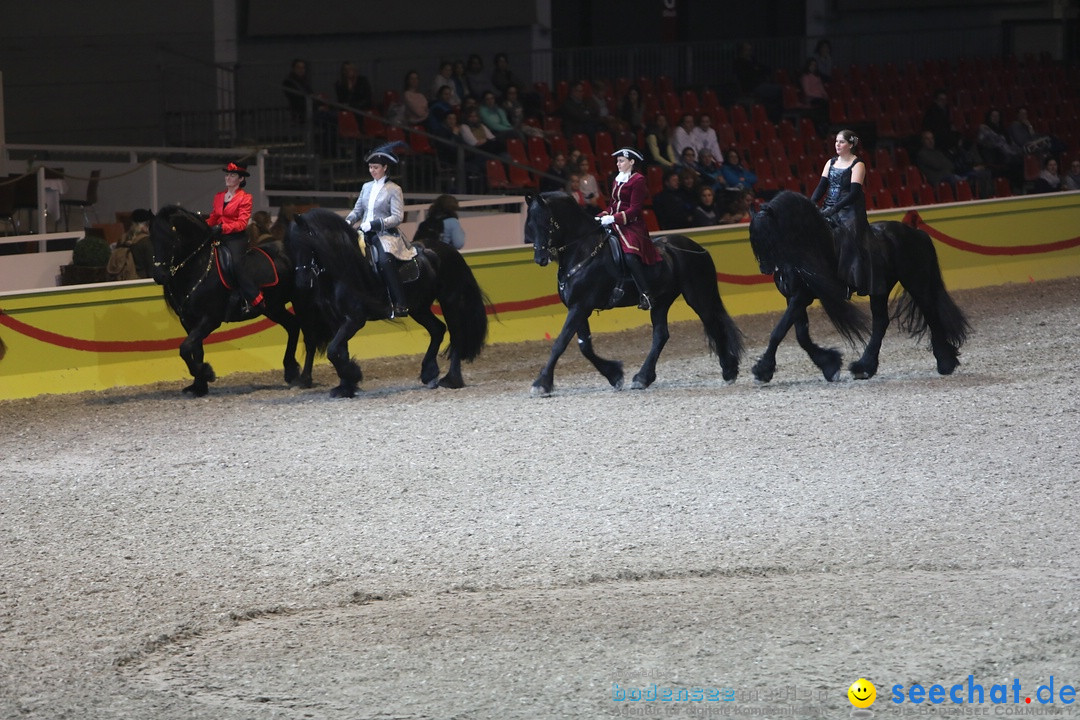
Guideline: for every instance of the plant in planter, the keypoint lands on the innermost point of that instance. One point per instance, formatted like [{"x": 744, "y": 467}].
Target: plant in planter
[{"x": 88, "y": 260}]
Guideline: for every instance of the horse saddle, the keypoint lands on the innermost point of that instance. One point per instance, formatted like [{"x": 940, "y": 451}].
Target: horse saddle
[
  {"x": 408, "y": 270},
  {"x": 255, "y": 264}
]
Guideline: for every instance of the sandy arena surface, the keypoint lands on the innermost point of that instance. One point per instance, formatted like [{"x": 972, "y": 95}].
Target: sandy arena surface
[{"x": 272, "y": 553}]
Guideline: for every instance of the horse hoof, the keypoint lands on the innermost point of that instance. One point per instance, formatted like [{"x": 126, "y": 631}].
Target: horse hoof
[
  {"x": 343, "y": 392},
  {"x": 451, "y": 383},
  {"x": 619, "y": 384},
  {"x": 834, "y": 377},
  {"x": 538, "y": 391},
  {"x": 431, "y": 384}
]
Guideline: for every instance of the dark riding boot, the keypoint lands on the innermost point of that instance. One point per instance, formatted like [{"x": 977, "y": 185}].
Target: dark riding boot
[
  {"x": 250, "y": 297},
  {"x": 637, "y": 270},
  {"x": 389, "y": 272}
]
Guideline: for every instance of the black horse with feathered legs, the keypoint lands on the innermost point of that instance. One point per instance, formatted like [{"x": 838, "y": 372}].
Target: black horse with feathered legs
[
  {"x": 590, "y": 279},
  {"x": 791, "y": 240},
  {"x": 192, "y": 271},
  {"x": 338, "y": 291}
]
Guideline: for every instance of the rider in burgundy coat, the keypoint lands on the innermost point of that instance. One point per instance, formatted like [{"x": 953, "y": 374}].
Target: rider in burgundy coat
[{"x": 629, "y": 196}]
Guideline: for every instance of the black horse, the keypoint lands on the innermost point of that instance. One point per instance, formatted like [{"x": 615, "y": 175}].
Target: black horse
[
  {"x": 590, "y": 278},
  {"x": 791, "y": 240},
  {"x": 339, "y": 290},
  {"x": 188, "y": 266}
]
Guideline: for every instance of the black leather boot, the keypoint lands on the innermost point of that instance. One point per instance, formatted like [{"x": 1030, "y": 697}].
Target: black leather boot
[{"x": 637, "y": 270}]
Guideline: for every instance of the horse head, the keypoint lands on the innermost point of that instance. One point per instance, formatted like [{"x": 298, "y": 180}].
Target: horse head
[
  {"x": 306, "y": 268},
  {"x": 554, "y": 222},
  {"x": 176, "y": 235},
  {"x": 537, "y": 221}
]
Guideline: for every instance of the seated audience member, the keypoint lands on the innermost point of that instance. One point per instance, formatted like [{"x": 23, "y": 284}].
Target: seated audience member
[
  {"x": 414, "y": 101},
  {"x": 492, "y": 115},
  {"x": 632, "y": 110},
  {"x": 682, "y": 136},
  {"x": 259, "y": 230},
  {"x": 1048, "y": 180},
  {"x": 560, "y": 170},
  {"x": 658, "y": 142},
  {"x": 579, "y": 113},
  {"x": 736, "y": 175},
  {"x": 823, "y": 55},
  {"x": 710, "y": 170},
  {"x": 476, "y": 77},
  {"x": 670, "y": 206},
  {"x": 703, "y": 137},
  {"x": 438, "y": 109},
  {"x": 935, "y": 165},
  {"x": 442, "y": 223},
  {"x": 135, "y": 241},
  {"x": 688, "y": 186},
  {"x": 1003, "y": 158},
  {"x": 1024, "y": 136},
  {"x": 740, "y": 205},
  {"x": 1072, "y": 179},
  {"x": 502, "y": 77},
  {"x": 688, "y": 160},
  {"x": 938, "y": 120},
  {"x": 476, "y": 134},
  {"x": 297, "y": 89},
  {"x": 515, "y": 111},
  {"x": 814, "y": 93},
  {"x": 754, "y": 80},
  {"x": 353, "y": 89},
  {"x": 444, "y": 78},
  {"x": 573, "y": 188},
  {"x": 590, "y": 187},
  {"x": 705, "y": 214}
]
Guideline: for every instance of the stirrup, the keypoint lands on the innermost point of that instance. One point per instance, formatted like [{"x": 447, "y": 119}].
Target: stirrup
[
  {"x": 398, "y": 311},
  {"x": 644, "y": 303}
]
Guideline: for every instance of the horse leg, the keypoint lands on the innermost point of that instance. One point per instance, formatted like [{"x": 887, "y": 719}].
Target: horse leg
[
  {"x": 766, "y": 365},
  {"x": 291, "y": 323},
  {"x": 828, "y": 360},
  {"x": 429, "y": 366},
  {"x": 866, "y": 367},
  {"x": 610, "y": 369},
  {"x": 191, "y": 350},
  {"x": 647, "y": 374},
  {"x": 337, "y": 352},
  {"x": 545, "y": 381}
]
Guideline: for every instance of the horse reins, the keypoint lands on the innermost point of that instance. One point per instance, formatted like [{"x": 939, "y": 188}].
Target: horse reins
[
  {"x": 553, "y": 225},
  {"x": 173, "y": 269}
]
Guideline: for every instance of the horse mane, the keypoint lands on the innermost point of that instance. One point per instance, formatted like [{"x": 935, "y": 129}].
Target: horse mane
[
  {"x": 333, "y": 241},
  {"x": 789, "y": 232},
  {"x": 186, "y": 223}
]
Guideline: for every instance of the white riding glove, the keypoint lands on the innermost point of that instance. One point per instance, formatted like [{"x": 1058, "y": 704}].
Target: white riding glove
[
  {"x": 365, "y": 226},
  {"x": 607, "y": 220}
]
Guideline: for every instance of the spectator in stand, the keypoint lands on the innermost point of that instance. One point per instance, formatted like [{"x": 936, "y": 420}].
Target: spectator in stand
[
  {"x": 1023, "y": 135},
  {"x": 1048, "y": 180},
  {"x": 414, "y": 101},
  {"x": 704, "y": 138},
  {"x": 754, "y": 81},
  {"x": 683, "y": 136},
  {"x": 937, "y": 119},
  {"x": 502, "y": 77},
  {"x": 814, "y": 93},
  {"x": 670, "y": 205},
  {"x": 710, "y": 170},
  {"x": 632, "y": 110},
  {"x": 1003, "y": 158},
  {"x": 739, "y": 208},
  {"x": 590, "y": 187},
  {"x": 495, "y": 118},
  {"x": 935, "y": 165},
  {"x": 515, "y": 111},
  {"x": 600, "y": 97},
  {"x": 445, "y": 78},
  {"x": 736, "y": 175},
  {"x": 823, "y": 55},
  {"x": 441, "y": 222},
  {"x": 297, "y": 89},
  {"x": 259, "y": 230},
  {"x": 476, "y": 77},
  {"x": 579, "y": 113},
  {"x": 1072, "y": 179},
  {"x": 137, "y": 240},
  {"x": 353, "y": 89},
  {"x": 560, "y": 170},
  {"x": 478, "y": 135},
  {"x": 688, "y": 161},
  {"x": 573, "y": 187},
  {"x": 705, "y": 214},
  {"x": 658, "y": 142},
  {"x": 688, "y": 186}
]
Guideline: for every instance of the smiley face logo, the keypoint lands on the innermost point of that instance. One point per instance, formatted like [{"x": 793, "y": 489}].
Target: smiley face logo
[{"x": 862, "y": 693}]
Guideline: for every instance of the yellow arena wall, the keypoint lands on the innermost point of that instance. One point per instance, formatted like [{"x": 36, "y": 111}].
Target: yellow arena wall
[{"x": 66, "y": 340}]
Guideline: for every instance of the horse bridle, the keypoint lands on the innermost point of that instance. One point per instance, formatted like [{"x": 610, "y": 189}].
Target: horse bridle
[
  {"x": 312, "y": 265},
  {"x": 173, "y": 269},
  {"x": 554, "y": 226}
]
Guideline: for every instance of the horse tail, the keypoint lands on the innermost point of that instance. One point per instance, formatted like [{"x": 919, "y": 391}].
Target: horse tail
[
  {"x": 925, "y": 304},
  {"x": 851, "y": 322},
  {"x": 464, "y": 305},
  {"x": 695, "y": 272}
]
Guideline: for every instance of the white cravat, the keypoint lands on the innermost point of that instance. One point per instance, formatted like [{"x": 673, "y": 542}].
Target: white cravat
[
  {"x": 622, "y": 177},
  {"x": 375, "y": 190}
]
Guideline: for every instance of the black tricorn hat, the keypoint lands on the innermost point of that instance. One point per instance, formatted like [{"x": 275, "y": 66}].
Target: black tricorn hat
[{"x": 141, "y": 216}]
